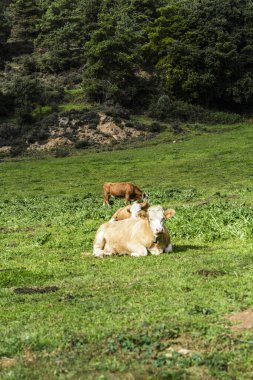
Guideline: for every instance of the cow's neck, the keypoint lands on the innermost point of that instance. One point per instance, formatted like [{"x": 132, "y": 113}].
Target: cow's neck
[{"x": 155, "y": 238}]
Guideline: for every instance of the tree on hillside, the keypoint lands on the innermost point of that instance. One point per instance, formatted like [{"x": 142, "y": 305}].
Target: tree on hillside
[
  {"x": 4, "y": 33},
  {"x": 203, "y": 50},
  {"x": 113, "y": 55},
  {"x": 24, "y": 16},
  {"x": 64, "y": 28}
]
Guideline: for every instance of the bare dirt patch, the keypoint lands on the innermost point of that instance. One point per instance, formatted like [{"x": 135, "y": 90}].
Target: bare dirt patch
[
  {"x": 7, "y": 362},
  {"x": 26, "y": 290},
  {"x": 242, "y": 320}
]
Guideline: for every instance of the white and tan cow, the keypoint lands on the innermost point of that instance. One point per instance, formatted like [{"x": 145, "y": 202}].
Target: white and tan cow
[{"x": 135, "y": 236}]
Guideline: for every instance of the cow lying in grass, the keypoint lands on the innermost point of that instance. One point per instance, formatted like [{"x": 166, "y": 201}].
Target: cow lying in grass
[{"x": 135, "y": 236}]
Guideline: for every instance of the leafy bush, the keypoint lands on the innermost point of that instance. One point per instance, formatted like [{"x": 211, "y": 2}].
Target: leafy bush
[
  {"x": 24, "y": 114},
  {"x": 159, "y": 108},
  {"x": 61, "y": 151},
  {"x": 6, "y": 105},
  {"x": 17, "y": 150},
  {"x": 117, "y": 111},
  {"x": 81, "y": 144},
  {"x": 12, "y": 134},
  {"x": 49, "y": 120},
  {"x": 72, "y": 78},
  {"x": 224, "y": 117},
  {"x": 166, "y": 110},
  {"x": 155, "y": 127}
]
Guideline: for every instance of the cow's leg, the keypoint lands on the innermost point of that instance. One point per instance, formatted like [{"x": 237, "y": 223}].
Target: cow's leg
[
  {"x": 99, "y": 243},
  {"x": 108, "y": 250},
  {"x": 168, "y": 249},
  {"x": 155, "y": 251},
  {"x": 138, "y": 250},
  {"x": 106, "y": 199},
  {"x": 127, "y": 198}
]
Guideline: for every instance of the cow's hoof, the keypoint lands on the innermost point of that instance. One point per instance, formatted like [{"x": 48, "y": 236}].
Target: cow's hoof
[{"x": 99, "y": 254}]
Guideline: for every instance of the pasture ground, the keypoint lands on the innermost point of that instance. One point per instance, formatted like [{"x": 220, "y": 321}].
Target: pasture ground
[{"x": 121, "y": 317}]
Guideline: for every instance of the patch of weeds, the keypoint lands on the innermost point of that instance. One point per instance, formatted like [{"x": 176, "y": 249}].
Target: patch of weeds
[
  {"x": 175, "y": 194},
  {"x": 78, "y": 341},
  {"x": 218, "y": 361},
  {"x": 201, "y": 310},
  {"x": 145, "y": 343},
  {"x": 42, "y": 239},
  {"x": 61, "y": 151},
  {"x": 206, "y": 272}
]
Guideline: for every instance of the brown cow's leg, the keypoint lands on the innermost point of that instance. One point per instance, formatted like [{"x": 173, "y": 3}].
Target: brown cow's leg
[
  {"x": 127, "y": 199},
  {"x": 106, "y": 199}
]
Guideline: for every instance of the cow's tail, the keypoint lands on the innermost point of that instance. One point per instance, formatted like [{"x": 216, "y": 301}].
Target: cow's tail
[{"x": 99, "y": 243}]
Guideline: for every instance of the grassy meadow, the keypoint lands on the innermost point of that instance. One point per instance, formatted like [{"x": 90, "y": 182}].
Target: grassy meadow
[{"x": 122, "y": 317}]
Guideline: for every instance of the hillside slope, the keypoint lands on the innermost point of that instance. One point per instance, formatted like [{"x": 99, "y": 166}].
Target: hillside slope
[{"x": 69, "y": 315}]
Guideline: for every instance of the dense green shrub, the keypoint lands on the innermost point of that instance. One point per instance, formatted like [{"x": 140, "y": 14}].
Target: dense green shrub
[
  {"x": 166, "y": 109},
  {"x": 6, "y": 105},
  {"x": 14, "y": 135},
  {"x": 61, "y": 151},
  {"x": 24, "y": 113},
  {"x": 117, "y": 111},
  {"x": 155, "y": 127},
  {"x": 82, "y": 144}
]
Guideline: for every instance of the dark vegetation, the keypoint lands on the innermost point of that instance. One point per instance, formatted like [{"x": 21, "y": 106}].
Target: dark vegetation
[{"x": 172, "y": 60}]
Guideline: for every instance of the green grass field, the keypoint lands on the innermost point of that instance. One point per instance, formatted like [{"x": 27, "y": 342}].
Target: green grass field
[{"x": 123, "y": 317}]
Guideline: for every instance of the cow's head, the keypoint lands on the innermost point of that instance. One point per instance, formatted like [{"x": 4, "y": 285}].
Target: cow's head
[{"x": 156, "y": 216}]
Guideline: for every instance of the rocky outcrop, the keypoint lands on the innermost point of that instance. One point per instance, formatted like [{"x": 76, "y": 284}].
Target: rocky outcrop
[
  {"x": 70, "y": 129},
  {"x": 51, "y": 144},
  {"x": 85, "y": 128},
  {"x": 5, "y": 150}
]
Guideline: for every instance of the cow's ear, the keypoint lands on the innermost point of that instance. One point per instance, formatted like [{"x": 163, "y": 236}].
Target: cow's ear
[
  {"x": 144, "y": 205},
  {"x": 128, "y": 209},
  {"x": 169, "y": 213},
  {"x": 142, "y": 214}
]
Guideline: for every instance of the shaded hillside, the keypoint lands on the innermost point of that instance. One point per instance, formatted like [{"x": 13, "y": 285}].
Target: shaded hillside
[{"x": 142, "y": 55}]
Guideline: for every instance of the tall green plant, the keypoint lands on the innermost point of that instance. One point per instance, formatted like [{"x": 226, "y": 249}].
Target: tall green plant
[{"x": 113, "y": 55}]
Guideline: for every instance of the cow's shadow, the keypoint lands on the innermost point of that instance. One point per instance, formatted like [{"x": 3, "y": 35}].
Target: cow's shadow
[{"x": 184, "y": 248}]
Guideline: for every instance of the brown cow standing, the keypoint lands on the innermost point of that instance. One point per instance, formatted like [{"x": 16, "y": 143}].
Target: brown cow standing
[{"x": 126, "y": 190}]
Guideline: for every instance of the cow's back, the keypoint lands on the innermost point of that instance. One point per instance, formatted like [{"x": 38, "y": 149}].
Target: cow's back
[
  {"x": 121, "y": 234},
  {"x": 119, "y": 189}
]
